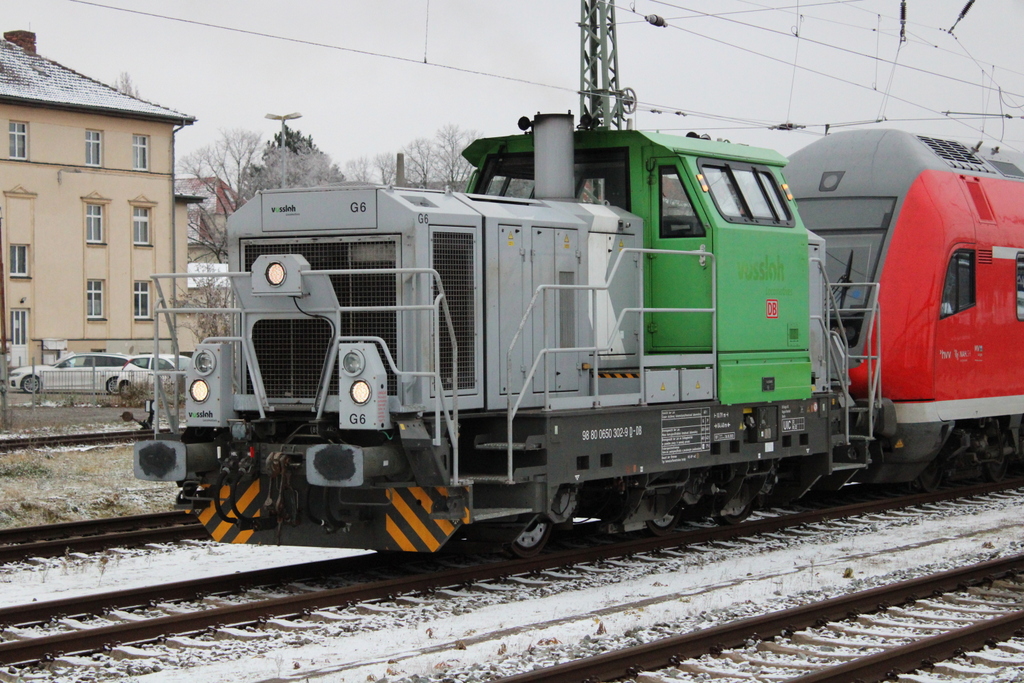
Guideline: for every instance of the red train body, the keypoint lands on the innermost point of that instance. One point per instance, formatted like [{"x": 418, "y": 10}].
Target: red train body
[{"x": 940, "y": 227}]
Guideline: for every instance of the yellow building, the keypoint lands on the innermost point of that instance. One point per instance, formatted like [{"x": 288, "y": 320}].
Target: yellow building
[{"x": 88, "y": 209}]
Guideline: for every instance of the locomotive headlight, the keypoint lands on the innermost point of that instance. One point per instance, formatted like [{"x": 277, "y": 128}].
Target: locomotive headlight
[
  {"x": 276, "y": 273},
  {"x": 353, "y": 363},
  {"x": 204, "y": 362},
  {"x": 199, "y": 390},
  {"x": 360, "y": 392}
]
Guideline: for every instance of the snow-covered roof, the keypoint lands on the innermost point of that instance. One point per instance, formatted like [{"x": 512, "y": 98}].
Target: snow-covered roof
[{"x": 30, "y": 79}]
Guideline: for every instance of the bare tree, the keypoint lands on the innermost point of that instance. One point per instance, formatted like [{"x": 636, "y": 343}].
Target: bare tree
[
  {"x": 224, "y": 172},
  {"x": 360, "y": 170},
  {"x": 124, "y": 84},
  {"x": 452, "y": 168},
  {"x": 421, "y": 163},
  {"x": 385, "y": 164},
  {"x": 207, "y": 291}
]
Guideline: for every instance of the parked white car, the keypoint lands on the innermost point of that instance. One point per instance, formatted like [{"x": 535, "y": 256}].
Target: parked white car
[
  {"x": 77, "y": 372},
  {"x": 138, "y": 370}
]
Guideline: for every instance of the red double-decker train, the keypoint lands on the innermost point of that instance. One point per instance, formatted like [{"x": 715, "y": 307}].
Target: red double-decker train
[{"x": 939, "y": 228}]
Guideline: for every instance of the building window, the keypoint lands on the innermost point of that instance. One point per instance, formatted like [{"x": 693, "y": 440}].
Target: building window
[
  {"x": 93, "y": 140},
  {"x": 19, "y": 260},
  {"x": 140, "y": 152},
  {"x": 19, "y": 327},
  {"x": 142, "y": 300},
  {"x": 19, "y": 140},
  {"x": 94, "y": 299},
  {"x": 958, "y": 290},
  {"x": 140, "y": 225},
  {"x": 94, "y": 223}
]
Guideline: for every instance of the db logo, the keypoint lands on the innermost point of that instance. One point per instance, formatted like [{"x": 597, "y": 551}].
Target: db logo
[{"x": 771, "y": 308}]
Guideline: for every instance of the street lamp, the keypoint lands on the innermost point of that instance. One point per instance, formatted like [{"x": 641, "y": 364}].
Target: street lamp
[{"x": 284, "y": 157}]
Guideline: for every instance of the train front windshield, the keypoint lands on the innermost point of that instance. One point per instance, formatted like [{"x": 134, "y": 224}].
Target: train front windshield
[
  {"x": 602, "y": 175},
  {"x": 854, "y": 229}
]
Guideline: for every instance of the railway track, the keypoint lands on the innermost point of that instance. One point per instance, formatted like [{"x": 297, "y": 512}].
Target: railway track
[
  {"x": 52, "y": 440},
  {"x": 963, "y": 609},
  {"x": 408, "y": 577},
  {"x": 53, "y": 540}
]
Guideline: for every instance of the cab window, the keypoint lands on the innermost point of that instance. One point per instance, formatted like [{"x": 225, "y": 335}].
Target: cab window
[
  {"x": 744, "y": 193},
  {"x": 678, "y": 218},
  {"x": 601, "y": 176},
  {"x": 958, "y": 289}
]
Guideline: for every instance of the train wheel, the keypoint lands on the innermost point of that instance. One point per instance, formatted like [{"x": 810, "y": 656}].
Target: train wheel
[
  {"x": 995, "y": 470},
  {"x": 930, "y": 479},
  {"x": 735, "y": 518},
  {"x": 533, "y": 539},
  {"x": 664, "y": 525}
]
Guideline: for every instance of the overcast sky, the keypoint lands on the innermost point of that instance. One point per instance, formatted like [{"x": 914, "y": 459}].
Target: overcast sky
[{"x": 729, "y": 64}]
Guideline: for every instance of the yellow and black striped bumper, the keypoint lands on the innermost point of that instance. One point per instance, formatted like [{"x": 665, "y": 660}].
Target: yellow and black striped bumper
[
  {"x": 409, "y": 519},
  {"x": 409, "y": 524},
  {"x": 248, "y": 503}
]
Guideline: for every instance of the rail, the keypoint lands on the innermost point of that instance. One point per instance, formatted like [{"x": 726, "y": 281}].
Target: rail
[
  {"x": 437, "y": 307},
  {"x": 542, "y": 355}
]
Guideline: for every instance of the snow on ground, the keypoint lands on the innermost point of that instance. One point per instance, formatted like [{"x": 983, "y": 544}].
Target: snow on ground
[{"x": 473, "y": 635}]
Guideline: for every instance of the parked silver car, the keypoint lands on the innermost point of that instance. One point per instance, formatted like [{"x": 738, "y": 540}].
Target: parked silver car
[
  {"x": 138, "y": 370},
  {"x": 76, "y": 372}
]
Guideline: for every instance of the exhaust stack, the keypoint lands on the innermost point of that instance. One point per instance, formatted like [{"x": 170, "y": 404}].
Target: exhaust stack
[{"x": 553, "y": 157}]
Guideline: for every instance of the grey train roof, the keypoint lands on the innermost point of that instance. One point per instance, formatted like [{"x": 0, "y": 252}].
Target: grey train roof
[{"x": 885, "y": 162}]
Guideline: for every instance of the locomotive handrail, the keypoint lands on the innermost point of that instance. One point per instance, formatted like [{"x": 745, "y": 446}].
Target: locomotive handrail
[
  {"x": 438, "y": 306},
  {"x": 513, "y": 407}
]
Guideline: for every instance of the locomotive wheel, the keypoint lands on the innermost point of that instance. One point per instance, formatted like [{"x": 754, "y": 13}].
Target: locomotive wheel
[
  {"x": 663, "y": 526},
  {"x": 533, "y": 539},
  {"x": 736, "y": 518}
]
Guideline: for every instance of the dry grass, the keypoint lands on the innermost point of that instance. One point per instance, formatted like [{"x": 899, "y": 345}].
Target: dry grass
[{"x": 43, "y": 487}]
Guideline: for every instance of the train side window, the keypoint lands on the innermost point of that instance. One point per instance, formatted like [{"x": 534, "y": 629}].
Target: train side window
[
  {"x": 771, "y": 188},
  {"x": 1020, "y": 286},
  {"x": 677, "y": 215},
  {"x": 958, "y": 290}
]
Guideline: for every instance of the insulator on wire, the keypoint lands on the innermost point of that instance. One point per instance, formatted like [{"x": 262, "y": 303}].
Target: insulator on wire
[
  {"x": 963, "y": 13},
  {"x": 656, "y": 20},
  {"x": 903, "y": 21}
]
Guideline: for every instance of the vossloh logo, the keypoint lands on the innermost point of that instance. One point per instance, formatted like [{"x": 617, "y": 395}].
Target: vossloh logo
[
  {"x": 287, "y": 208},
  {"x": 200, "y": 414}
]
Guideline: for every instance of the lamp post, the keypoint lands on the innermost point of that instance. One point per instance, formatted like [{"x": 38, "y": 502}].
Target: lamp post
[{"x": 284, "y": 157}]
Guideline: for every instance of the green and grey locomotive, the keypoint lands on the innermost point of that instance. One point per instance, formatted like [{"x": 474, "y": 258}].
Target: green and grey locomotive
[{"x": 609, "y": 325}]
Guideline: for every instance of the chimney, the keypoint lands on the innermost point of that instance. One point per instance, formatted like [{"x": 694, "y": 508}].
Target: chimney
[{"x": 26, "y": 40}]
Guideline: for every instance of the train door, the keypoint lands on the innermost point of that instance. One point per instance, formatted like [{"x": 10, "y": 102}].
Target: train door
[
  {"x": 555, "y": 259},
  {"x": 513, "y": 279},
  {"x": 958, "y": 363},
  {"x": 677, "y": 223}
]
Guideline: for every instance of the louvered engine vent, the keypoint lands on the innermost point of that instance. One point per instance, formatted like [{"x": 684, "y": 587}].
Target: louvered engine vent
[{"x": 956, "y": 155}]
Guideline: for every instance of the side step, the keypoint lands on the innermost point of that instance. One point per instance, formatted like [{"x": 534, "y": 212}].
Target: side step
[{"x": 503, "y": 446}]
